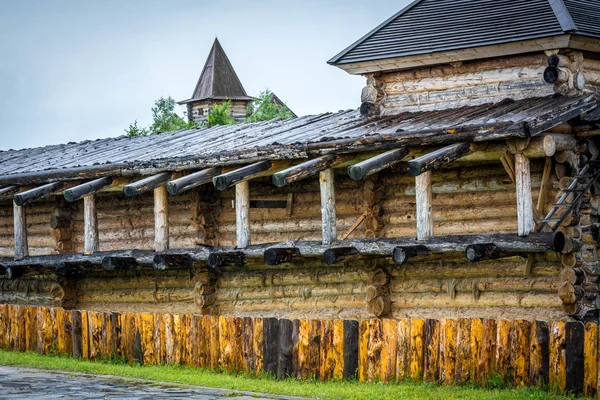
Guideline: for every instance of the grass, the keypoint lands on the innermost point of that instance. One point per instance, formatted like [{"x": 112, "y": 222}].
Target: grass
[{"x": 289, "y": 387}]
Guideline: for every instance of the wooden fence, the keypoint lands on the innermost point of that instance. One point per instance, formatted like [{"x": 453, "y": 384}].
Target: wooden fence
[{"x": 562, "y": 355}]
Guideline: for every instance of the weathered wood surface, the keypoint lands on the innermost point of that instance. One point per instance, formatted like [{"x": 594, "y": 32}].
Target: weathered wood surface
[
  {"x": 40, "y": 192},
  {"x": 228, "y": 179},
  {"x": 146, "y": 185},
  {"x": 242, "y": 214},
  {"x": 193, "y": 180},
  {"x": 90, "y": 217},
  {"x": 437, "y": 159},
  {"x": 306, "y": 169},
  {"x": 377, "y": 163},
  {"x": 328, "y": 212},
  {"x": 524, "y": 198},
  {"x": 20, "y": 231},
  {"x": 88, "y": 188},
  {"x": 161, "y": 219},
  {"x": 424, "y": 206}
]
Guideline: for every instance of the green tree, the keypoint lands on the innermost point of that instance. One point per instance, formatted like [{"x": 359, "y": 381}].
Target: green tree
[
  {"x": 220, "y": 114},
  {"x": 164, "y": 119},
  {"x": 264, "y": 109}
]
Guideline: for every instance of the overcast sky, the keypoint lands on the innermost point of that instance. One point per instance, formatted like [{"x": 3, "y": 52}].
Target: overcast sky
[{"x": 77, "y": 70}]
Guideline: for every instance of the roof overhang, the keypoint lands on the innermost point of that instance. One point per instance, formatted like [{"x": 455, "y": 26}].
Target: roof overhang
[{"x": 572, "y": 41}]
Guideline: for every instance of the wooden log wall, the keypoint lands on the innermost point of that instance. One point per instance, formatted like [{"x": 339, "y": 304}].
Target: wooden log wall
[
  {"x": 129, "y": 223},
  {"x": 42, "y": 239},
  {"x": 555, "y": 354},
  {"x": 464, "y": 84}
]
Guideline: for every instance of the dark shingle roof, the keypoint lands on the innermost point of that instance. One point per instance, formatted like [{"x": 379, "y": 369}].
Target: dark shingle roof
[
  {"x": 218, "y": 80},
  {"x": 428, "y": 26},
  {"x": 282, "y": 139}
]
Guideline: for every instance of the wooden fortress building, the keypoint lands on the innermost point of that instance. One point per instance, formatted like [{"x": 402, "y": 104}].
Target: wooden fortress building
[{"x": 465, "y": 186}]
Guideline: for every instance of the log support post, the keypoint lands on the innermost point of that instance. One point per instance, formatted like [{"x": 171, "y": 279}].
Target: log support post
[
  {"x": 90, "y": 218},
  {"x": 524, "y": 199},
  {"x": 424, "y": 206},
  {"x": 242, "y": 214},
  {"x": 20, "y": 231},
  {"x": 328, "y": 228},
  {"x": 161, "y": 219}
]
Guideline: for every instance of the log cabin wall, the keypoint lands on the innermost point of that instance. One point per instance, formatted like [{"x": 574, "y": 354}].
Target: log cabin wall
[
  {"x": 42, "y": 238},
  {"x": 200, "y": 110}
]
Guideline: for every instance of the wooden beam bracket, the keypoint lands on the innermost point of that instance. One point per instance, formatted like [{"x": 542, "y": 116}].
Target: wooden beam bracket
[{"x": 145, "y": 185}]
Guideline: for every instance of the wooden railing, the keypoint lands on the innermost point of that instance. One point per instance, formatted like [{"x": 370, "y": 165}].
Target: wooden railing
[{"x": 561, "y": 355}]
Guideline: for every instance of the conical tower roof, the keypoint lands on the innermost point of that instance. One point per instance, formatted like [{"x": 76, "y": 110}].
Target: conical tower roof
[{"x": 218, "y": 80}]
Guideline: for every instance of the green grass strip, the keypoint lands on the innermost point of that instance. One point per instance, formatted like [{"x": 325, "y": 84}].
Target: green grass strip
[{"x": 289, "y": 387}]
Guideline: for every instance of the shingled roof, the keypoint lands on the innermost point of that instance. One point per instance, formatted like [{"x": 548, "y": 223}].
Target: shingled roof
[
  {"x": 428, "y": 26},
  {"x": 218, "y": 80},
  {"x": 297, "y": 138}
]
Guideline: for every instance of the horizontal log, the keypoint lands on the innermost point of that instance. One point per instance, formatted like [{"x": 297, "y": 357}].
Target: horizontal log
[
  {"x": 299, "y": 304},
  {"x": 8, "y": 191},
  {"x": 185, "y": 183},
  {"x": 402, "y": 254},
  {"x": 163, "y": 262},
  {"x": 85, "y": 189},
  {"x": 41, "y": 192},
  {"x": 146, "y": 185},
  {"x": 485, "y": 300},
  {"x": 145, "y": 296},
  {"x": 306, "y": 169},
  {"x": 119, "y": 263},
  {"x": 226, "y": 259},
  {"x": 276, "y": 256},
  {"x": 379, "y": 307},
  {"x": 339, "y": 254},
  {"x": 288, "y": 292},
  {"x": 554, "y": 143},
  {"x": 227, "y": 180},
  {"x": 377, "y": 163},
  {"x": 504, "y": 285},
  {"x": 438, "y": 158}
]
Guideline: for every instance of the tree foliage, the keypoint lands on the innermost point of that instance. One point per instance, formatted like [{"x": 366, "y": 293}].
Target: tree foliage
[
  {"x": 264, "y": 109},
  {"x": 220, "y": 114},
  {"x": 164, "y": 119}
]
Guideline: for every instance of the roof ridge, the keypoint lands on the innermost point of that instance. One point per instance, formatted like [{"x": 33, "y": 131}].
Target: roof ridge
[{"x": 563, "y": 15}]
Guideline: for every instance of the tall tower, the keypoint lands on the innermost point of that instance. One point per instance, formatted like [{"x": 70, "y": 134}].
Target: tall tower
[{"x": 218, "y": 83}]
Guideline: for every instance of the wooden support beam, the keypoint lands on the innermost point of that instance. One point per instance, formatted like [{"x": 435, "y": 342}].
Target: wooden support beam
[
  {"x": 328, "y": 220},
  {"x": 377, "y": 163},
  {"x": 185, "y": 183},
  {"x": 242, "y": 214},
  {"x": 438, "y": 158},
  {"x": 163, "y": 262},
  {"x": 7, "y": 192},
  {"x": 90, "y": 221},
  {"x": 281, "y": 255},
  {"x": 40, "y": 192},
  {"x": 228, "y": 179},
  {"x": 424, "y": 206},
  {"x": 226, "y": 259},
  {"x": 146, "y": 184},
  {"x": 161, "y": 219},
  {"x": 20, "y": 231},
  {"x": 402, "y": 254},
  {"x": 524, "y": 200},
  {"x": 112, "y": 263},
  {"x": 308, "y": 169},
  {"x": 85, "y": 189},
  {"x": 535, "y": 243},
  {"x": 339, "y": 254}
]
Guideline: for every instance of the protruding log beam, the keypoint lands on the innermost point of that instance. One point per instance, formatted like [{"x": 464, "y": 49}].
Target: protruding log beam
[
  {"x": 90, "y": 231},
  {"x": 226, "y": 259},
  {"x": 85, "y": 189},
  {"x": 20, "y": 231},
  {"x": 7, "y": 192},
  {"x": 438, "y": 158},
  {"x": 492, "y": 250},
  {"x": 554, "y": 143},
  {"x": 70, "y": 269},
  {"x": 328, "y": 220},
  {"x": 163, "y": 262},
  {"x": 281, "y": 255},
  {"x": 14, "y": 271},
  {"x": 380, "y": 306},
  {"x": 41, "y": 192},
  {"x": 242, "y": 214},
  {"x": 306, "y": 169},
  {"x": 524, "y": 199},
  {"x": 559, "y": 60},
  {"x": 146, "y": 184},
  {"x": 111, "y": 263},
  {"x": 183, "y": 184},
  {"x": 401, "y": 254},
  {"x": 339, "y": 254},
  {"x": 161, "y": 219},
  {"x": 424, "y": 206},
  {"x": 227, "y": 180},
  {"x": 482, "y": 251},
  {"x": 554, "y": 74},
  {"x": 377, "y": 163}
]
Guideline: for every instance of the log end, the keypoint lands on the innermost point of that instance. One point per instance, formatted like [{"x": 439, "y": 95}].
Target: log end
[
  {"x": 14, "y": 272},
  {"x": 330, "y": 257},
  {"x": 278, "y": 180},
  {"x": 379, "y": 307},
  {"x": 159, "y": 263},
  {"x": 172, "y": 189},
  {"x": 70, "y": 196},
  {"x": 129, "y": 192},
  {"x": 413, "y": 168},
  {"x": 558, "y": 241},
  {"x": 399, "y": 255},
  {"x": 356, "y": 172},
  {"x": 551, "y": 74},
  {"x": 221, "y": 182}
]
